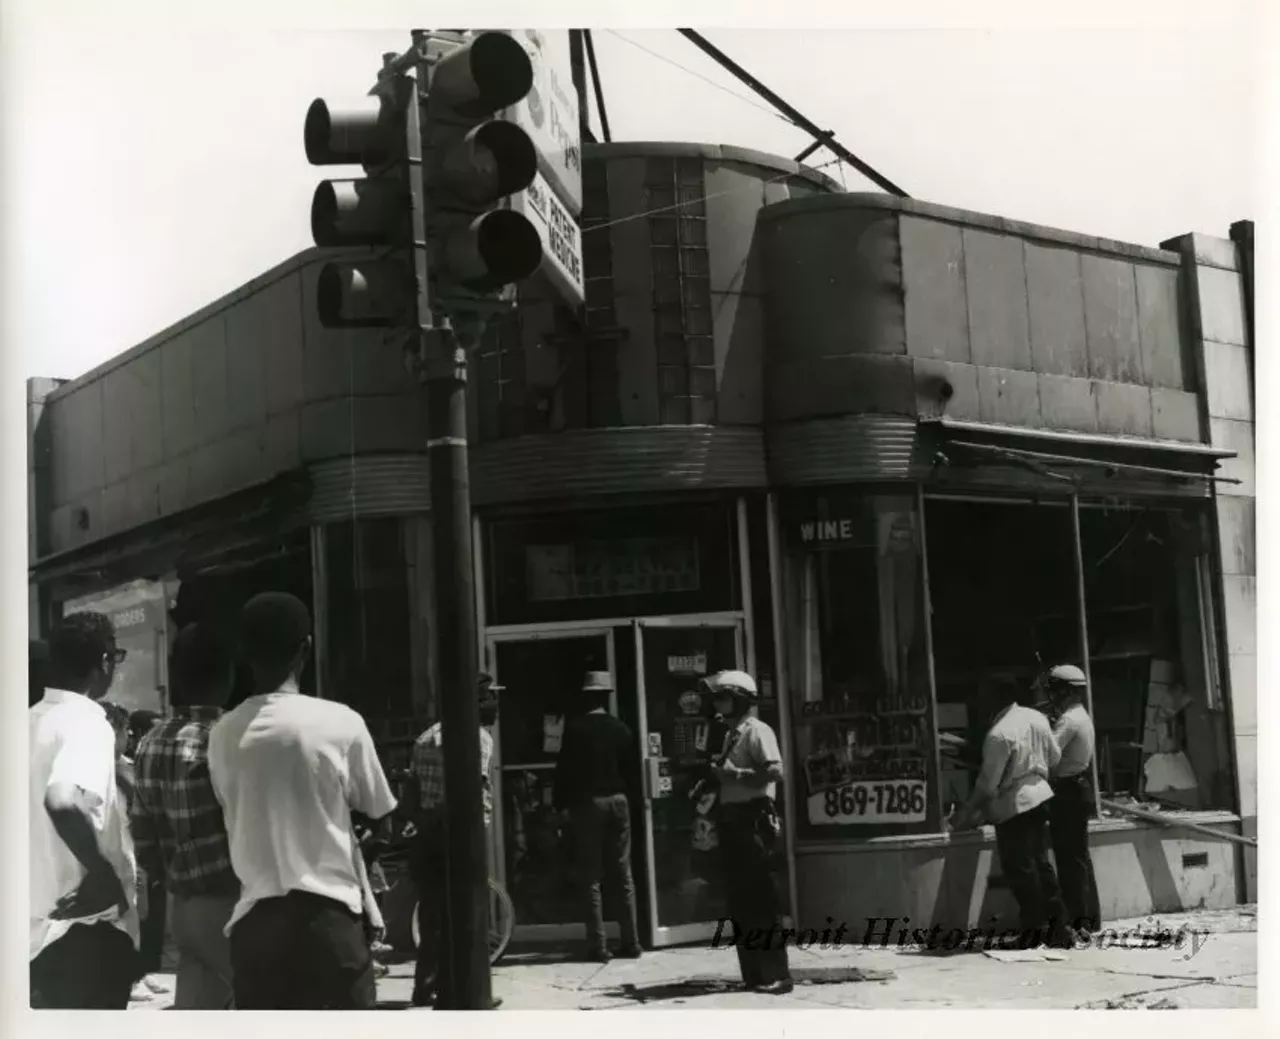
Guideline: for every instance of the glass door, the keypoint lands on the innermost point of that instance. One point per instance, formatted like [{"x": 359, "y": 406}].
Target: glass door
[
  {"x": 678, "y": 734},
  {"x": 542, "y": 673}
]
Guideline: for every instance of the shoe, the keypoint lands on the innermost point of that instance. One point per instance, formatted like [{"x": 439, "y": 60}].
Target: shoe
[
  {"x": 776, "y": 988},
  {"x": 597, "y": 956},
  {"x": 423, "y": 998},
  {"x": 630, "y": 952}
]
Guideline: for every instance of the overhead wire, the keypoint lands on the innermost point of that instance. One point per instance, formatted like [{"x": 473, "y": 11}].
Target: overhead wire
[
  {"x": 703, "y": 198},
  {"x": 767, "y": 109},
  {"x": 706, "y": 79}
]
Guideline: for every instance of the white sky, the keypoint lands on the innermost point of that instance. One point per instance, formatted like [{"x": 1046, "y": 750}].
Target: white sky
[{"x": 163, "y": 166}]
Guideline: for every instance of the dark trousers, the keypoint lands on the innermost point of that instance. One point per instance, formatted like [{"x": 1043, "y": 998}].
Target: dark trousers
[
  {"x": 1069, "y": 814},
  {"x": 751, "y": 899},
  {"x": 429, "y": 868},
  {"x": 153, "y": 928},
  {"x": 602, "y": 857},
  {"x": 301, "y": 952},
  {"x": 91, "y": 967},
  {"x": 1023, "y": 843}
]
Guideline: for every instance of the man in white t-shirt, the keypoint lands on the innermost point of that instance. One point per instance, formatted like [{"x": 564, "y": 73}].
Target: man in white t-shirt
[
  {"x": 84, "y": 917},
  {"x": 289, "y": 771},
  {"x": 1012, "y": 792}
]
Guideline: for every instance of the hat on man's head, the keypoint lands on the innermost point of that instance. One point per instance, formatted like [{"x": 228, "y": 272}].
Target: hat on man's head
[
  {"x": 597, "y": 682},
  {"x": 733, "y": 683},
  {"x": 1067, "y": 674}
]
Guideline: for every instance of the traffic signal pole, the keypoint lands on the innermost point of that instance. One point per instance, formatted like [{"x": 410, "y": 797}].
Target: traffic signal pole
[
  {"x": 465, "y": 982},
  {"x": 445, "y": 254}
]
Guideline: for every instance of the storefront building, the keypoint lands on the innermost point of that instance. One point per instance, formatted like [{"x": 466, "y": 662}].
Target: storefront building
[{"x": 873, "y": 451}]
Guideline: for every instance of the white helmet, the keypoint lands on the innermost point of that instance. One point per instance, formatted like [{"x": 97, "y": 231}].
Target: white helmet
[
  {"x": 1067, "y": 674},
  {"x": 734, "y": 683}
]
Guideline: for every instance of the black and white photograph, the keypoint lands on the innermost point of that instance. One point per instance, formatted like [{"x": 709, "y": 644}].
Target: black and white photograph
[{"x": 754, "y": 517}]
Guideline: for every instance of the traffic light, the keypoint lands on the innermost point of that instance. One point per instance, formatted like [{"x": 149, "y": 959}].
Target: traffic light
[
  {"x": 470, "y": 161},
  {"x": 474, "y": 160},
  {"x": 373, "y": 210}
]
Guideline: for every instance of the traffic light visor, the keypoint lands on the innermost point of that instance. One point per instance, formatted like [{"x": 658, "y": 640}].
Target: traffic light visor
[{"x": 354, "y": 134}]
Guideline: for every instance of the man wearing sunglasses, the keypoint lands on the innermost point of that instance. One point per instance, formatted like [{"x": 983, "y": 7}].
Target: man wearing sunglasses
[{"x": 84, "y": 917}]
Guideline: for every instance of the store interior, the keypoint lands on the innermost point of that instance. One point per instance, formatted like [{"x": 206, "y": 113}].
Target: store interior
[{"x": 1006, "y": 601}]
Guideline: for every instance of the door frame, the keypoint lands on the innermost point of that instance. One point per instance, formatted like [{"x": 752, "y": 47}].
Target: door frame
[
  {"x": 538, "y": 633},
  {"x": 729, "y": 620}
]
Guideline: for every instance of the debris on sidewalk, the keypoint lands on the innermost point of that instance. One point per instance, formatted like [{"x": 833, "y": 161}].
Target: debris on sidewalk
[
  {"x": 1025, "y": 955},
  {"x": 692, "y": 988},
  {"x": 1133, "y": 1003},
  {"x": 838, "y": 975},
  {"x": 1139, "y": 942}
]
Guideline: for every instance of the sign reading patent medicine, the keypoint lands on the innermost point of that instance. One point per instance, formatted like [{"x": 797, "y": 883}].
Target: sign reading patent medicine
[
  {"x": 561, "y": 238},
  {"x": 553, "y": 202}
]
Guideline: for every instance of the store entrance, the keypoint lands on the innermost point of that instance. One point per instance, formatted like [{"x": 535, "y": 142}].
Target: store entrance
[
  {"x": 656, "y": 664},
  {"x": 541, "y": 672},
  {"x": 678, "y": 735}
]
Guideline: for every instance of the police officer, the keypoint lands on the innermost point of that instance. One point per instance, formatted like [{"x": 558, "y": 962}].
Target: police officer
[
  {"x": 748, "y": 769},
  {"x": 1073, "y": 796}
]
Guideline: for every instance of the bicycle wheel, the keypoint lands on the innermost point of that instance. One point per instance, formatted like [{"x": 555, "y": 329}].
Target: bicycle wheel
[{"x": 502, "y": 922}]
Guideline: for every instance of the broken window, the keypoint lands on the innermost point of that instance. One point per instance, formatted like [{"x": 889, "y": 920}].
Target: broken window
[
  {"x": 1161, "y": 727},
  {"x": 1003, "y": 590}
]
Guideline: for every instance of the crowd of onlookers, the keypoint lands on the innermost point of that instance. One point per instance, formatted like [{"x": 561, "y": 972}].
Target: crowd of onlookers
[
  {"x": 236, "y": 831},
  {"x": 246, "y": 833}
]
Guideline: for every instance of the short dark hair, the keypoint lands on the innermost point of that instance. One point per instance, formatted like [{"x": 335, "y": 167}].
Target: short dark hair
[
  {"x": 273, "y": 627},
  {"x": 201, "y": 665},
  {"x": 77, "y": 645},
  {"x": 117, "y": 715}
]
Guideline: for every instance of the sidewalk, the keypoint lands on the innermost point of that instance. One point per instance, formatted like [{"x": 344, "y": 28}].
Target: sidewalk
[{"x": 1220, "y": 974}]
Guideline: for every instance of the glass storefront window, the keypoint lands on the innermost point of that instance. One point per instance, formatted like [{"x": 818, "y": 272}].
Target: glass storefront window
[
  {"x": 864, "y": 743},
  {"x": 1003, "y": 590},
  {"x": 1162, "y": 729},
  {"x": 1006, "y": 602}
]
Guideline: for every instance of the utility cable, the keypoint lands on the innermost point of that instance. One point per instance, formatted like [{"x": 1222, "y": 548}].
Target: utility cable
[
  {"x": 698, "y": 75},
  {"x": 703, "y": 198}
]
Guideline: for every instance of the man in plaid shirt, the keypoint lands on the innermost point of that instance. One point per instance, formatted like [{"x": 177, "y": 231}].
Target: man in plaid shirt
[
  {"x": 427, "y": 796},
  {"x": 177, "y": 822}
]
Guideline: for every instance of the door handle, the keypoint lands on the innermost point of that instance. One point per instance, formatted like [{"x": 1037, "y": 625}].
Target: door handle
[{"x": 652, "y": 774}]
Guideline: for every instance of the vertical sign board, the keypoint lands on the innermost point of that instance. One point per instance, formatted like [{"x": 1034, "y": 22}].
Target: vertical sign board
[
  {"x": 549, "y": 113},
  {"x": 561, "y": 239},
  {"x": 553, "y": 202}
]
